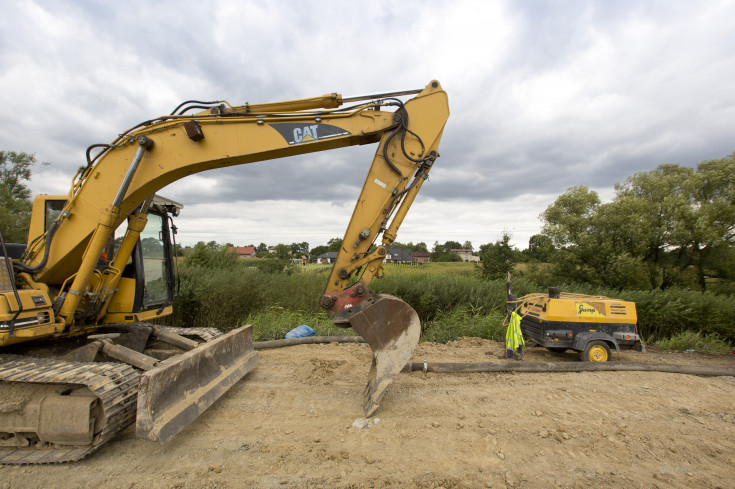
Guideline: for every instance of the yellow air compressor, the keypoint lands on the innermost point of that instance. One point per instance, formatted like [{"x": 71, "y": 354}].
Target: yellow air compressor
[{"x": 591, "y": 325}]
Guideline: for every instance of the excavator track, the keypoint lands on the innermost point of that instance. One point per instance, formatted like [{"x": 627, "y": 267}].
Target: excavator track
[
  {"x": 206, "y": 334},
  {"x": 115, "y": 385}
]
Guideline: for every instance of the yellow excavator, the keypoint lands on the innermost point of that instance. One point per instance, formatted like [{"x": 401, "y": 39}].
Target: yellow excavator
[{"x": 81, "y": 355}]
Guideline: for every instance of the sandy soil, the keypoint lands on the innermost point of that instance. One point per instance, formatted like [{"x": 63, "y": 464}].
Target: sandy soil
[{"x": 289, "y": 424}]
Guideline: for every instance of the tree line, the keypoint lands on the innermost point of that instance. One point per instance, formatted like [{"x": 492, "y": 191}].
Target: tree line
[
  {"x": 440, "y": 252},
  {"x": 671, "y": 226}
]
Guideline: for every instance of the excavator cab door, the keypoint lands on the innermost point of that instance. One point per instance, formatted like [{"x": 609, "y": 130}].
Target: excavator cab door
[
  {"x": 152, "y": 265},
  {"x": 146, "y": 289}
]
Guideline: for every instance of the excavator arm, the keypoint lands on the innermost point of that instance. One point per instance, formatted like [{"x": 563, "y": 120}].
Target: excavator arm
[{"x": 119, "y": 182}]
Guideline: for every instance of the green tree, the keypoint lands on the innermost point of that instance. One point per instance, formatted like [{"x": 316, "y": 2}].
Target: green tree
[
  {"x": 452, "y": 245},
  {"x": 442, "y": 252},
  {"x": 706, "y": 228},
  {"x": 540, "y": 248},
  {"x": 334, "y": 244},
  {"x": 318, "y": 250},
  {"x": 421, "y": 246},
  {"x": 592, "y": 240},
  {"x": 569, "y": 219},
  {"x": 648, "y": 206},
  {"x": 283, "y": 252},
  {"x": 570, "y": 222},
  {"x": 682, "y": 220},
  {"x": 410, "y": 246},
  {"x": 211, "y": 255},
  {"x": 16, "y": 170},
  {"x": 299, "y": 248},
  {"x": 497, "y": 258},
  {"x": 669, "y": 226}
]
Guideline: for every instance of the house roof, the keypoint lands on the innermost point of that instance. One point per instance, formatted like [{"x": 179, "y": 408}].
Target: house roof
[
  {"x": 461, "y": 251},
  {"x": 329, "y": 254},
  {"x": 399, "y": 254},
  {"x": 243, "y": 250},
  {"x": 421, "y": 254}
]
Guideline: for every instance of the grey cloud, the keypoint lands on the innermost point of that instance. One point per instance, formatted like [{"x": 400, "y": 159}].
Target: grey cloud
[{"x": 546, "y": 96}]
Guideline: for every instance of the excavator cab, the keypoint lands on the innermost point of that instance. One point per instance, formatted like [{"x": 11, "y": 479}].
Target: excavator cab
[{"x": 148, "y": 283}]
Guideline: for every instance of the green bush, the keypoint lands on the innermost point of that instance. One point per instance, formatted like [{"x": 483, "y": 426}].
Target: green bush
[
  {"x": 275, "y": 265},
  {"x": 666, "y": 313},
  {"x": 689, "y": 340},
  {"x": 431, "y": 294},
  {"x": 211, "y": 255},
  {"x": 275, "y": 321},
  {"x": 450, "y": 301},
  {"x": 461, "y": 321}
]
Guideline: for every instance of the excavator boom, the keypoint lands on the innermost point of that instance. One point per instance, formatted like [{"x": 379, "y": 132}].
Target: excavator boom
[{"x": 59, "y": 277}]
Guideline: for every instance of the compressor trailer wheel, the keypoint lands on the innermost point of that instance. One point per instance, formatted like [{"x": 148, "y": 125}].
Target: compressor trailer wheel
[{"x": 596, "y": 351}]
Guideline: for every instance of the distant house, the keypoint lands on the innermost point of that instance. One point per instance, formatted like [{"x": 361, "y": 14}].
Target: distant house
[
  {"x": 421, "y": 256},
  {"x": 301, "y": 260},
  {"x": 327, "y": 257},
  {"x": 466, "y": 255},
  {"x": 397, "y": 255},
  {"x": 243, "y": 252}
]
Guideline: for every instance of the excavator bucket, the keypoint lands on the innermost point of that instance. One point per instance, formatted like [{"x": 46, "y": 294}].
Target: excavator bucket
[
  {"x": 177, "y": 391},
  {"x": 392, "y": 329}
]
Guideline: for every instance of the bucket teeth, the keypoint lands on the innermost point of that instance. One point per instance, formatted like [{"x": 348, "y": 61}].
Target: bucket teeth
[
  {"x": 375, "y": 389},
  {"x": 392, "y": 329}
]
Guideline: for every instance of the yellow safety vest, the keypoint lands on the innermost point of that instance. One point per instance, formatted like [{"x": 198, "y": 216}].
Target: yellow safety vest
[{"x": 513, "y": 335}]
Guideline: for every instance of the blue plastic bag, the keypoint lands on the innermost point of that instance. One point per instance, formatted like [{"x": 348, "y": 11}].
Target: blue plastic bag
[{"x": 300, "y": 332}]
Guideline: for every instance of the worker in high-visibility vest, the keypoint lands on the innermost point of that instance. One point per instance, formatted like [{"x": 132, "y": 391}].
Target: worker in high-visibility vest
[{"x": 514, "y": 343}]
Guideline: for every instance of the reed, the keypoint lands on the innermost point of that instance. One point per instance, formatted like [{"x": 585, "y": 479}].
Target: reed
[{"x": 451, "y": 300}]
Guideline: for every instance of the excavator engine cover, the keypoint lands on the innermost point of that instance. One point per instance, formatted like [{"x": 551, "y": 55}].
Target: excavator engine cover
[{"x": 392, "y": 329}]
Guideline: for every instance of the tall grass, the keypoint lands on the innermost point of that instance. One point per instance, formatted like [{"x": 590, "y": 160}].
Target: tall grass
[
  {"x": 451, "y": 301},
  {"x": 462, "y": 321},
  {"x": 691, "y": 341},
  {"x": 275, "y": 321},
  {"x": 431, "y": 293}
]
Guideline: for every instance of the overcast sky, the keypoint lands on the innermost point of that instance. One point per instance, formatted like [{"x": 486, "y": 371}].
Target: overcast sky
[{"x": 543, "y": 96}]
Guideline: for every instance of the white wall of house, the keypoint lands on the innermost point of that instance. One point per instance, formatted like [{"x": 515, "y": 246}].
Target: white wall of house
[{"x": 466, "y": 255}]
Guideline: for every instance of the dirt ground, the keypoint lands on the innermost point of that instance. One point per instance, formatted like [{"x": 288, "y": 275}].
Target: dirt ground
[{"x": 294, "y": 422}]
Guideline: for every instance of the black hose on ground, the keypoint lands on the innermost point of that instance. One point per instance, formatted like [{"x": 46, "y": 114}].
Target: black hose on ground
[
  {"x": 549, "y": 367},
  {"x": 307, "y": 340},
  {"x": 512, "y": 366}
]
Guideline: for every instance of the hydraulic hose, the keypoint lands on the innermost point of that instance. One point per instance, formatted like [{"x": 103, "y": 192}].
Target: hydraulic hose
[
  {"x": 11, "y": 278},
  {"x": 49, "y": 236}
]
